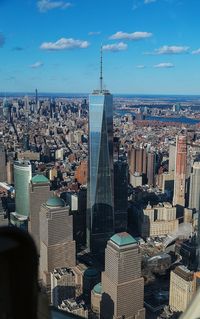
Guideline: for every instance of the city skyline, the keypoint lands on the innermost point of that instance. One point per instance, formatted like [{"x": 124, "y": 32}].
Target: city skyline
[
  {"x": 148, "y": 46},
  {"x": 78, "y": 178}
]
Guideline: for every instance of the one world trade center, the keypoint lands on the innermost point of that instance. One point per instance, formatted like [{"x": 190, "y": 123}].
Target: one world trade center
[{"x": 100, "y": 197}]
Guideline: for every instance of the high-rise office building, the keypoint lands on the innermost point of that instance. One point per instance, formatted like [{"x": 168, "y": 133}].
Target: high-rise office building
[
  {"x": 26, "y": 143},
  {"x": 36, "y": 97},
  {"x": 6, "y": 110},
  {"x": 120, "y": 195},
  {"x": 182, "y": 288},
  {"x": 116, "y": 147},
  {"x": 198, "y": 243},
  {"x": 10, "y": 171},
  {"x": 39, "y": 192},
  {"x": 26, "y": 104},
  {"x": 37, "y": 102},
  {"x": 180, "y": 171},
  {"x": 172, "y": 157},
  {"x": 194, "y": 197},
  {"x": 158, "y": 220},
  {"x": 22, "y": 177},
  {"x": 137, "y": 160},
  {"x": 151, "y": 168},
  {"x": 57, "y": 247},
  {"x": 122, "y": 284},
  {"x": 100, "y": 199},
  {"x": 91, "y": 277},
  {"x": 168, "y": 183},
  {"x": 79, "y": 219},
  {"x": 3, "y": 175},
  {"x": 144, "y": 164},
  {"x": 132, "y": 160}
]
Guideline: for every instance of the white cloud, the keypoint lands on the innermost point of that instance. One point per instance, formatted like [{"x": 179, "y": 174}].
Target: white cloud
[
  {"x": 140, "y": 66},
  {"x": 64, "y": 44},
  {"x": 166, "y": 49},
  {"x": 94, "y": 32},
  {"x": 196, "y": 51},
  {"x": 139, "y": 3},
  {"x": 36, "y": 65},
  {"x": 131, "y": 36},
  {"x": 46, "y": 5},
  {"x": 165, "y": 65},
  {"x": 121, "y": 46}
]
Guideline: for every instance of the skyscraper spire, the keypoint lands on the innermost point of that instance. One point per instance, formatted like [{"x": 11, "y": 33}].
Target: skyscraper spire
[
  {"x": 100, "y": 192},
  {"x": 101, "y": 69}
]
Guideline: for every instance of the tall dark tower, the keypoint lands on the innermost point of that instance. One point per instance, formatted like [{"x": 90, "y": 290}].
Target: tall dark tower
[
  {"x": 36, "y": 97},
  {"x": 26, "y": 144},
  {"x": 100, "y": 199},
  {"x": 198, "y": 244},
  {"x": 120, "y": 195},
  {"x": 3, "y": 173}
]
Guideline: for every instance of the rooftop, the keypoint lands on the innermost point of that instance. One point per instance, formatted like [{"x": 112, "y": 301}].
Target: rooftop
[
  {"x": 55, "y": 202},
  {"x": 91, "y": 272},
  {"x": 196, "y": 165},
  {"x": 98, "y": 288},
  {"x": 39, "y": 179},
  {"x": 99, "y": 92},
  {"x": 123, "y": 239},
  {"x": 184, "y": 273},
  {"x": 22, "y": 163}
]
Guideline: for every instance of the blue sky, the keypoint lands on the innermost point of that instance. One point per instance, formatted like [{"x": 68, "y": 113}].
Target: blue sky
[{"x": 150, "y": 46}]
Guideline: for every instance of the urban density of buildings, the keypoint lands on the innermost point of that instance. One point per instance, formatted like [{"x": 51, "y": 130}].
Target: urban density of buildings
[{"x": 109, "y": 191}]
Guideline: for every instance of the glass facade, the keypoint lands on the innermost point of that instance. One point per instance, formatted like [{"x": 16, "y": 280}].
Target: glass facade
[
  {"x": 100, "y": 211},
  {"x": 22, "y": 178},
  {"x": 121, "y": 195}
]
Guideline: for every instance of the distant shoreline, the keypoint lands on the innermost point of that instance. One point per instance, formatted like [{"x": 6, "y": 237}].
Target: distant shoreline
[
  {"x": 176, "y": 97},
  {"x": 172, "y": 119}
]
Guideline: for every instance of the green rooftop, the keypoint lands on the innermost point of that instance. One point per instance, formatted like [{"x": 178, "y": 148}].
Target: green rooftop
[
  {"x": 98, "y": 288},
  {"x": 55, "y": 202},
  {"x": 37, "y": 179},
  {"x": 91, "y": 272},
  {"x": 123, "y": 239}
]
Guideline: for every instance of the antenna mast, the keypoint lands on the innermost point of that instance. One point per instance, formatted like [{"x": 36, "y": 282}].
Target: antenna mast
[{"x": 101, "y": 70}]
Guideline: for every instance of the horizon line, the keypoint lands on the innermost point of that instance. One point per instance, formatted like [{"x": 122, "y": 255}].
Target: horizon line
[{"x": 4, "y": 93}]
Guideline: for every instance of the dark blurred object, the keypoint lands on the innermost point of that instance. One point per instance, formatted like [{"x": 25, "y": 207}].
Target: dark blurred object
[
  {"x": 18, "y": 275},
  {"x": 20, "y": 296}
]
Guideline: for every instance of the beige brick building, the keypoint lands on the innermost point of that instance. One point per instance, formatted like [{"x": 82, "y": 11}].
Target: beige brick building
[
  {"x": 39, "y": 192},
  {"x": 182, "y": 288},
  {"x": 57, "y": 247},
  {"x": 158, "y": 220},
  {"x": 122, "y": 284}
]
